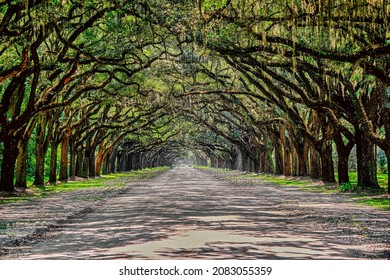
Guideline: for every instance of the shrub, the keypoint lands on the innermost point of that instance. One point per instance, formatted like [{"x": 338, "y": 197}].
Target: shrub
[{"x": 347, "y": 187}]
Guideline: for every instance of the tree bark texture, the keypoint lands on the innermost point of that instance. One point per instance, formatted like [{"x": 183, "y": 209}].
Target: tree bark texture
[
  {"x": 366, "y": 165},
  {"x": 327, "y": 167},
  {"x": 315, "y": 164},
  {"x": 21, "y": 164},
  {"x": 343, "y": 152},
  {"x": 40, "y": 152},
  {"x": 53, "y": 163},
  {"x": 8, "y": 165},
  {"x": 64, "y": 159}
]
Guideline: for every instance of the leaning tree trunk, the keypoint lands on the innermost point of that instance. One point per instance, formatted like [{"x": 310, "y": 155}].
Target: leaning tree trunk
[
  {"x": 366, "y": 162},
  {"x": 10, "y": 154}
]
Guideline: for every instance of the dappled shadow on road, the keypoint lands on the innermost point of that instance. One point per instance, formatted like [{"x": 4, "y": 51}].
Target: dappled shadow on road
[{"x": 186, "y": 214}]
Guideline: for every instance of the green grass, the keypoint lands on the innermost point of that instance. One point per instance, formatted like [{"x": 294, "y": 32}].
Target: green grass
[
  {"x": 382, "y": 179},
  {"x": 44, "y": 191},
  {"x": 316, "y": 186},
  {"x": 284, "y": 181},
  {"x": 219, "y": 170},
  {"x": 363, "y": 198},
  {"x": 202, "y": 167},
  {"x": 381, "y": 202},
  {"x": 302, "y": 184}
]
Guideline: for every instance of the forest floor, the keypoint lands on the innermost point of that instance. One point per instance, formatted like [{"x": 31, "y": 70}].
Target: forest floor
[{"x": 186, "y": 213}]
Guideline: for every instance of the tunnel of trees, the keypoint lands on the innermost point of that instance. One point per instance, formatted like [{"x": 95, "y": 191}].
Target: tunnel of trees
[{"x": 290, "y": 87}]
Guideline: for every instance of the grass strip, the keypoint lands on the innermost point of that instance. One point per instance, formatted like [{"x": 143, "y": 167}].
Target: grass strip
[
  {"x": 98, "y": 182},
  {"x": 378, "y": 201}
]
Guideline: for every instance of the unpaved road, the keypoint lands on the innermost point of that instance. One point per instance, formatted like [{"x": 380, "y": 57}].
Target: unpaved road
[{"x": 188, "y": 214}]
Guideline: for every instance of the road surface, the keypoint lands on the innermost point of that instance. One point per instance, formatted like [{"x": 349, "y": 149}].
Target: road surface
[{"x": 188, "y": 214}]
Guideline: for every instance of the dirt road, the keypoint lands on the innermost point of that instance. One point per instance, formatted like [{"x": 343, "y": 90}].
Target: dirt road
[{"x": 188, "y": 214}]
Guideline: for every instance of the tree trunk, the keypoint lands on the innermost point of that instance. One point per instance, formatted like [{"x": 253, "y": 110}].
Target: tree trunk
[
  {"x": 263, "y": 162},
  {"x": 99, "y": 161},
  {"x": 245, "y": 161},
  {"x": 294, "y": 163},
  {"x": 302, "y": 156},
  {"x": 278, "y": 157},
  {"x": 86, "y": 164},
  {"x": 213, "y": 162},
  {"x": 286, "y": 151},
  {"x": 72, "y": 159},
  {"x": 40, "y": 152},
  {"x": 91, "y": 164},
  {"x": 131, "y": 162},
  {"x": 257, "y": 163},
  {"x": 142, "y": 160},
  {"x": 315, "y": 164},
  {"x": 269, "y": 163},
  {"x": 79, "y": 162},
  {"x": 87, "y": 155},
  {"x": 118, "y": 163},
  {"x": 105, "y": 166},
  {"x": 53, "y": 163},
  {"x": 233, "y": 161},
  {"x": 287, "y": 161},
  {"x": 10, "y": 154},
  {"x": 121, "y": 162},
  {"x": 327, "y": 167},
  {"x": 388, "y": 162},
  {"x": 64, "y": 159},
  {"x": 343, "y": 152},
  {"x": 366, "y": 165},
  {"x": 21, "y": 165},
  {"x": 113, "y": 160},
  {"x": 239, "y": 159}
]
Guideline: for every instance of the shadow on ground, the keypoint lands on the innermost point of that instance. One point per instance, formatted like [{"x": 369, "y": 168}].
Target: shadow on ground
[{"x": 186, "y": 214}]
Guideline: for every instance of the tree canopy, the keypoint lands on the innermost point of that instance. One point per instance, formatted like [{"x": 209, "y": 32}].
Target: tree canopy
[{"x": 92, "y": 87}]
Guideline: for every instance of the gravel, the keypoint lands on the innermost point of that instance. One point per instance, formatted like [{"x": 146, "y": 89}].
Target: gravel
[{"x": 23, "y": 222}]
